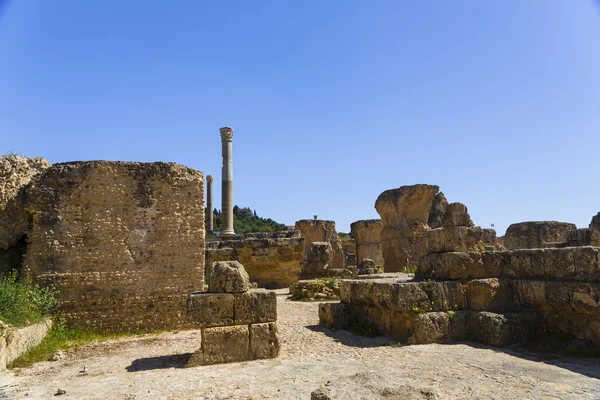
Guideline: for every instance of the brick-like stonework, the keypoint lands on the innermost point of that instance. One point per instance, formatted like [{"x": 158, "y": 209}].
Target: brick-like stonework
[{"x": 123, "y": 242}]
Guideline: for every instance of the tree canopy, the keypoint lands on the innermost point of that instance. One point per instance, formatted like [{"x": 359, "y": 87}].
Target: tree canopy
[{"x": 245, "y": 220}]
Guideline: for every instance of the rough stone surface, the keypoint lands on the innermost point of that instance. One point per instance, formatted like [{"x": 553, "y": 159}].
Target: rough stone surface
[
  {"x": 406, "y": 236},
  {"x": 373, "y": 385},
  {"x": 255, "y": 306},
  {"x": 438, "y": 209},
  {"x": 228, "y": 277},
  {"x": 270, "y": 262},
  {"x": 263, "y": 341},
  {"x": 537, "y": 234},
  {"x": 16, "y": 172},
  {"x": 211, "y": 309},
  {"x": 367, "y": 234},
  {"x": 316, "y": 261},
  {"x": 222, "y": 345},
  {"x": 16, "y": 341},
  {"x": 322, "y": 231},
  {"x": 457, "y": 215},
  {"x": 570, "y": 264},
  {"x": 122, "y": 242},
  {"x": 406, "y": 207},
  {"x": 369, "y": 267}
]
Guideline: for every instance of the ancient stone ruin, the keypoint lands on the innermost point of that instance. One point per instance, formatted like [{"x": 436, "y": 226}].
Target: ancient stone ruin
[
  {"x": 238, "y": 324},
  {"x": 463, "y": 288},
  {"x": 273, "y": 260},
  {"x": 318, "y": 230},
  {"x": 367, "y": 234},
  {"x": 123, "y": 242},
  {"x": 406, "y": 235}
]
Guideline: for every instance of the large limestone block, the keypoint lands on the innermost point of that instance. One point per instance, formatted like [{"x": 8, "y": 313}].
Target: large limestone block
[
  {"x": 322, "y": 231},
  {"x": 255, "y": 306},
  {"x": 406, "y": 207},
  {"x": 335, "y": 315},
  {"x": 537, "y": 234},
  {"x": 222, "y": 345},
  {"x": 457, "y": 215},
  {"x": 569, "y": 263},
  {"x": 503, "y": 329},
  {"x": 433, "y": 327},
  {"x": 452, "y": 265},
  {"x": 264, "y": 342},
  {"x": 228, "y": 277},
  {"x": 489, "y": 294},
  {"x": 367, "y": 234},
  {"x": 457, "y": 238},
  {"x": 211, "y": 309}
]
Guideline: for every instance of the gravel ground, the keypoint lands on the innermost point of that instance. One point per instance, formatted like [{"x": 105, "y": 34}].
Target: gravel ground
[{"x": 312, "y": 358}]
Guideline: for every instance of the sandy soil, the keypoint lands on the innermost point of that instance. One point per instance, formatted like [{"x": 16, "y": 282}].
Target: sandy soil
[{"x": 150, "y": 367}]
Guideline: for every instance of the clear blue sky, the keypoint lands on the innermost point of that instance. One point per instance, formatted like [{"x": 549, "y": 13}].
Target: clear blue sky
[{"x": 332, "y": 102}]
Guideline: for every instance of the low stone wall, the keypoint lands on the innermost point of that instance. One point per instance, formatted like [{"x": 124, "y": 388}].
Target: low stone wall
[
  {"x": 537, "y": 234},
  {"x": 542, "y": 289},
  {"x": 271, "y": 262},
  {"x": 16, "y": 341}
]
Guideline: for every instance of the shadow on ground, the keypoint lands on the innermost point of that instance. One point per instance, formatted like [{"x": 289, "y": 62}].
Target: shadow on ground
[
  {"x": 348, "y": 338},
  {"x": 162, "y": 362},
  {"x": 588, "y": 366}
]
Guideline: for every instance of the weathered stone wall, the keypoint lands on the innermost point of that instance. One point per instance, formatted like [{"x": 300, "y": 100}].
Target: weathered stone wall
[
  {"x": 367, "y": 234},
  {"x": 123, "y": 242},
  {"x": 15, "y": 173},
  {"x": 406, "y": 236},
  {"x": 322, "y": 231},
  {"x": 537, "y": 234},
  {"x": 270, "y": 262}
]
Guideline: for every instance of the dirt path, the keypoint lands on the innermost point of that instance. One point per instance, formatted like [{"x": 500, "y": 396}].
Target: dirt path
[{"x": 150, "y": 368}]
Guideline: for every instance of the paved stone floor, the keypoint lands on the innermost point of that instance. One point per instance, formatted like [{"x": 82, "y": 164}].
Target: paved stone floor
[{"x": 150, "y": 367}]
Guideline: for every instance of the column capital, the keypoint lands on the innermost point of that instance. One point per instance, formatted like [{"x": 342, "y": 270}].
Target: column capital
[
  {"x": 210, "y": 178},
  {"x": 226, "y": 133}
]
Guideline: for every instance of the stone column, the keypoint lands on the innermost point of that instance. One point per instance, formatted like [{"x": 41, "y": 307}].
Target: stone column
[
  {"x": 209, "y": 204},
  {"x": 227, "y": 183}
]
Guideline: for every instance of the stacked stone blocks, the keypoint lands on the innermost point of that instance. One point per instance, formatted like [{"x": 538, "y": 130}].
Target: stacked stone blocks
[{"x": 237, "y": 324}]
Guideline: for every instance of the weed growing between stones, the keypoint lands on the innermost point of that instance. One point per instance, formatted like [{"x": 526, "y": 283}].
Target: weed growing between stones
[{"x": 22, "y": 302}]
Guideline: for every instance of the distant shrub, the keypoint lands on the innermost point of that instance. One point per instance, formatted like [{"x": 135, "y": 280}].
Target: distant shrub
[{"x": 23, "y": 303}]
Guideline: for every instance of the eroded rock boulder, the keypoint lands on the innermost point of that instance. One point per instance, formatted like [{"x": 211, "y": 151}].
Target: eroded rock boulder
[
  {"x": 457, "y": 215},
  {"x": 228, "y": 277}
]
